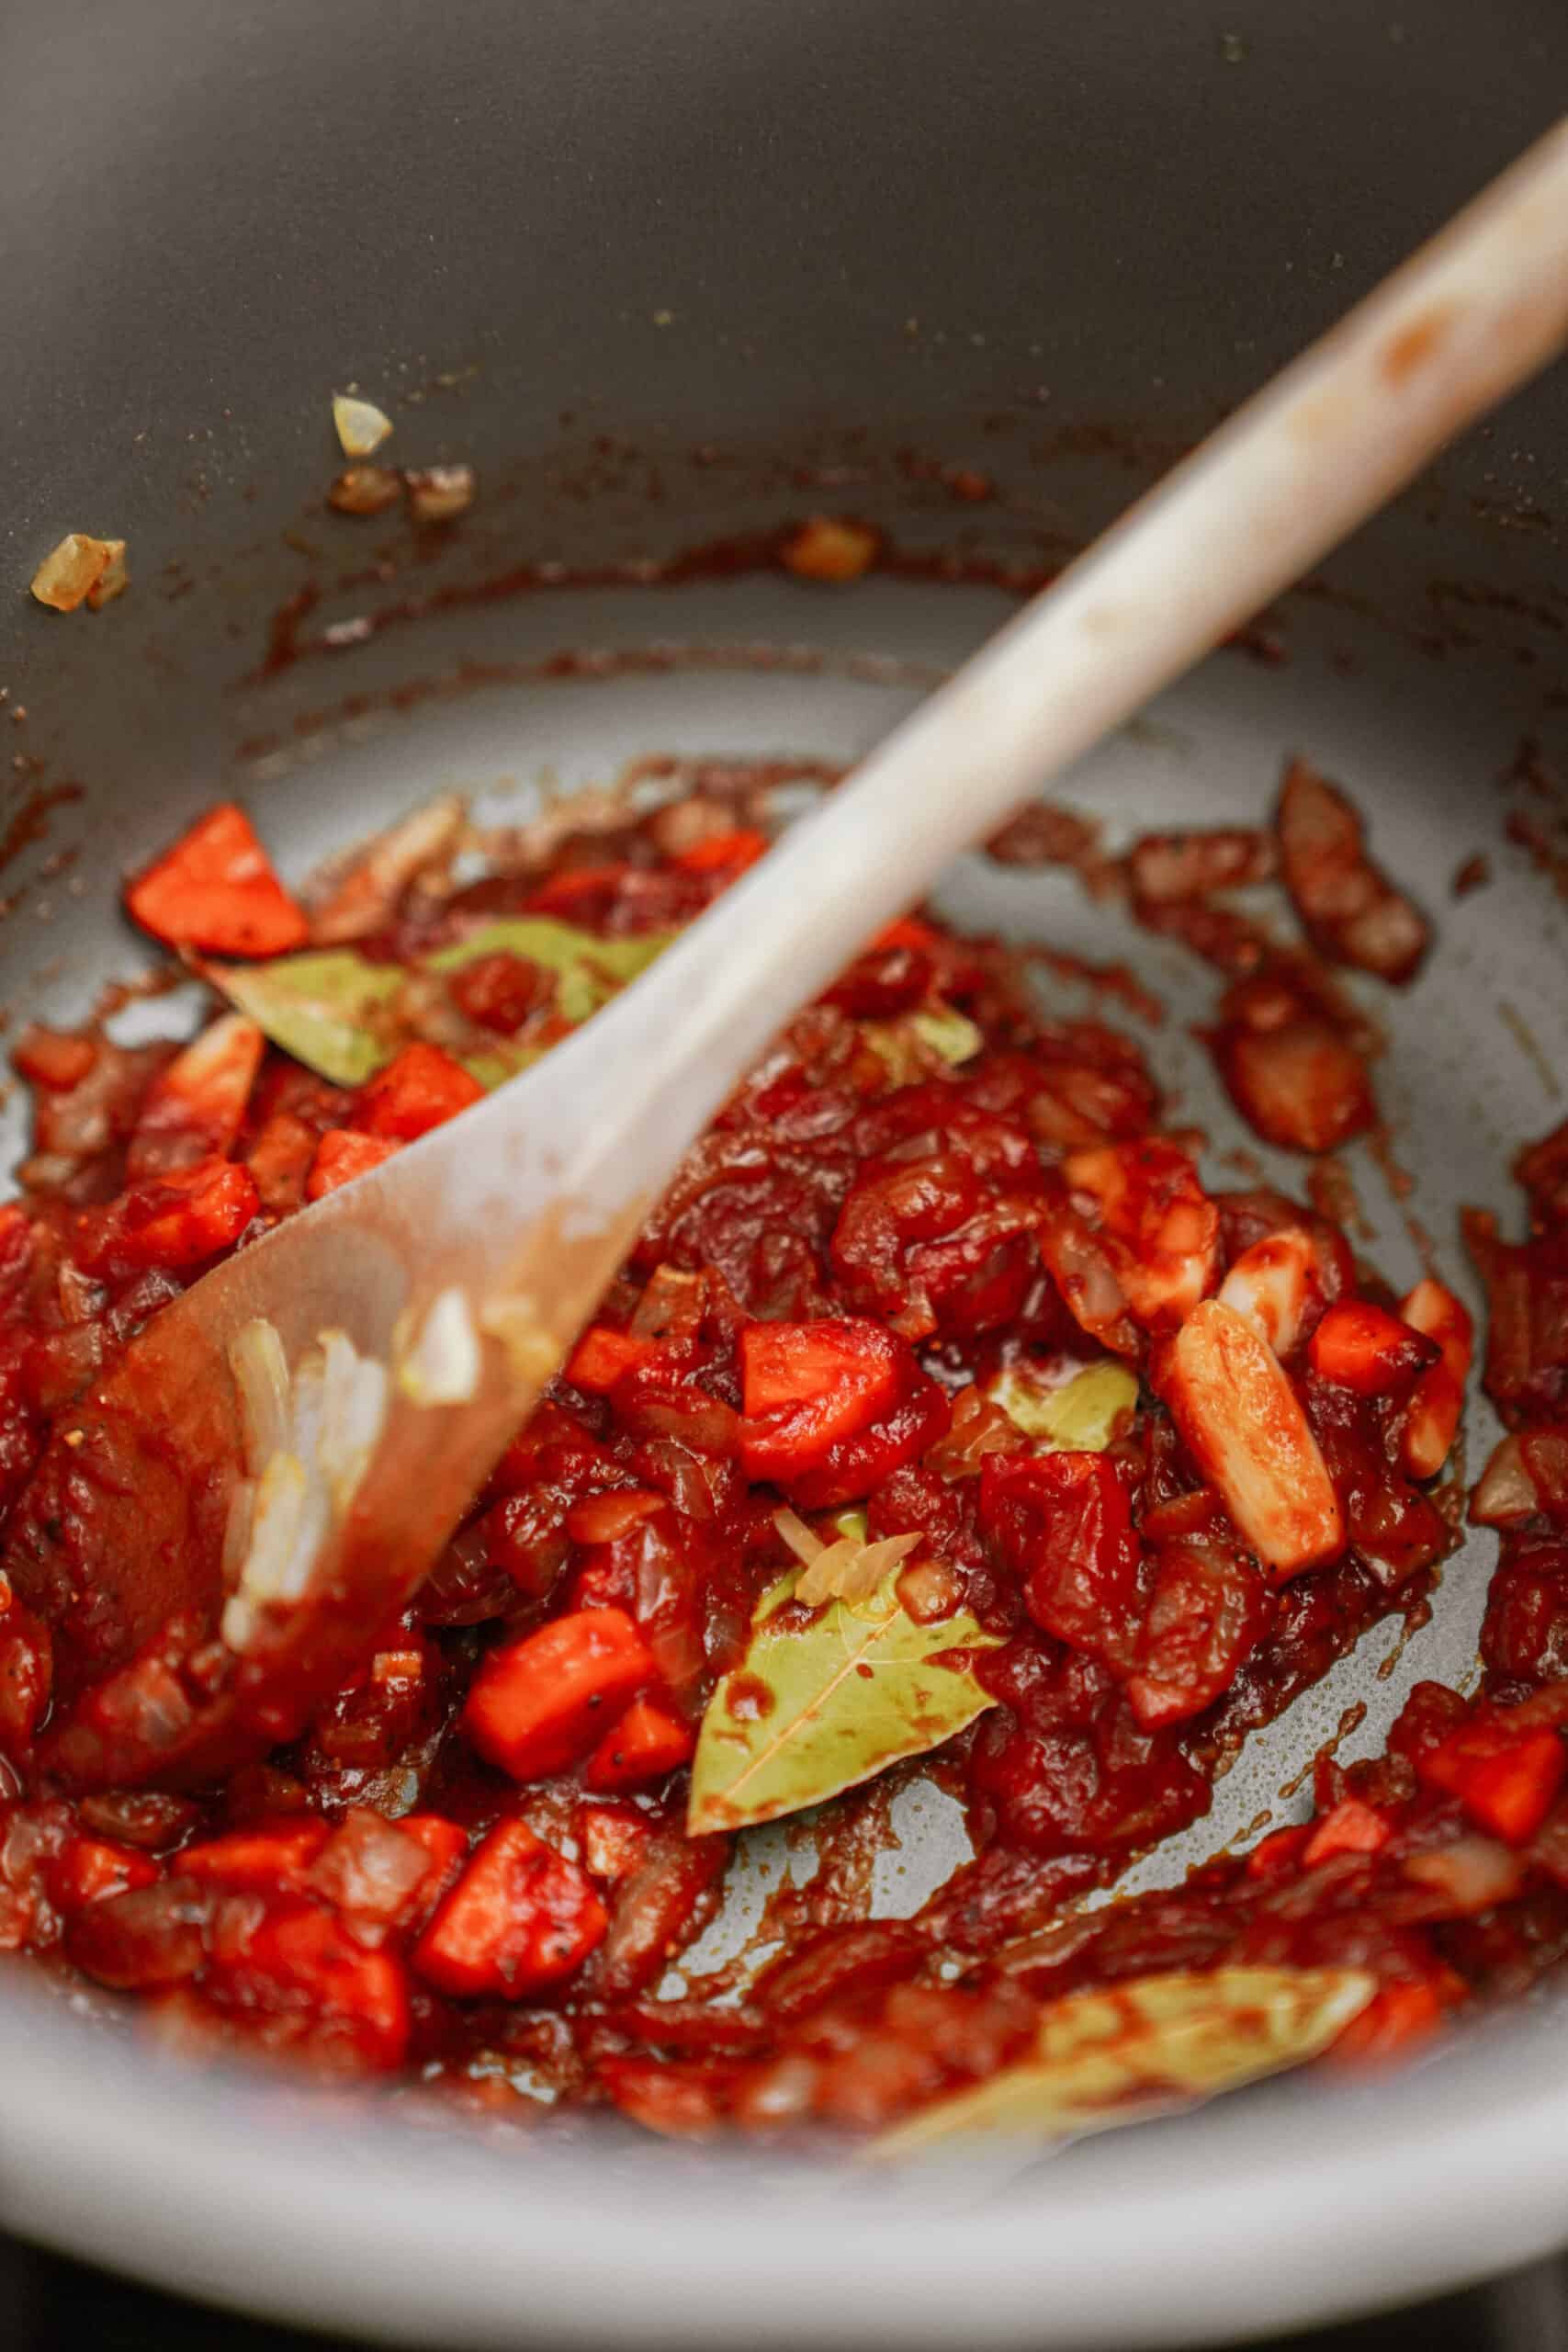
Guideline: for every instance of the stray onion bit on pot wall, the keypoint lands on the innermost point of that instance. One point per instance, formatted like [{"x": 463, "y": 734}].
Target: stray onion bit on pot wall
[
  {"x": 364, "y": 489},
  {"x": 439, "y": 493},
  {"x": 81, "y": 570},
  {"x": 307, "y": 1439},
  {"x": 826, "y": 546},
  {"x": 361, "y": 427}
]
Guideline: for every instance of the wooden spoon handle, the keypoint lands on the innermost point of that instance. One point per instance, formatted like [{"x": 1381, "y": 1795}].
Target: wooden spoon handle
[{"x": 1464, "y": 322}]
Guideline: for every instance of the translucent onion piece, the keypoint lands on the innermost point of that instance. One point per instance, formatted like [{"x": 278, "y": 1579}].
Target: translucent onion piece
[
  {"x": 852, "y": 1570},
  {"x": 67, "y": 573},
  {"x": 361, "y": 427},
  {"x": 114, "y": 579},
  {"x": 802, "y": 1540},
  {"x": 1506, "y": 1491}
]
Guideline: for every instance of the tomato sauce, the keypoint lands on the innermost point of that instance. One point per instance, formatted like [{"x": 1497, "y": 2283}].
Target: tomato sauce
[{"x": 926, "y": 1211}]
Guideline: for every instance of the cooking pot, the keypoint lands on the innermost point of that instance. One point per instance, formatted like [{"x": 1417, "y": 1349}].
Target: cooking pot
[{"x": 669, "y": 277}]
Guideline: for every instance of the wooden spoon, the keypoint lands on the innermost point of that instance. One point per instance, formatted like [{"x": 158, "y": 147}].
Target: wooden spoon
[{"x": 514, "y": 1216}]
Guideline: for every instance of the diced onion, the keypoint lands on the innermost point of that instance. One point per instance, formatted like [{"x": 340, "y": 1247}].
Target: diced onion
[
  {"x": 1473, "y": 1873},
  {"x": 1505, "y": 1491},
  {"x": 112, "y": 581},
  {"x": 363, "y": 894},
  {"x": 851, "y": 1570},
  {"x": 802, "y": 1540}
]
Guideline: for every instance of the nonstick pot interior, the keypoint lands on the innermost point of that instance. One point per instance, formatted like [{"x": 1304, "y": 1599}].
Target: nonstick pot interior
[{"x": 670, "y": 277}]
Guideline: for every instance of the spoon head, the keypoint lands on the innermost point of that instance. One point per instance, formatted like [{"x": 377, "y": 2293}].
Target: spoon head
[
  {"x": 115, "y": 1545},
  {"x": 118, "y": 1546}
]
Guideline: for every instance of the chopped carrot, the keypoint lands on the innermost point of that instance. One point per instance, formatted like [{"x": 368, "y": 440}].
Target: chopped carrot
[
  {"x": 198, "y": 1105},
  {"x": 539, "y": 1704},
  {"x": 805, "y": 1386},
  {"x": 53, "y": 1058},
  {"x": 263, "y": 1860},
  {"x": 1351, "y": 1827},
  {"x": 1394, "y": 2018},
  {"x": 647, "y": 1742},
  {"x": 215, "y": 890},
  {"x": 1362, "y": 1347},
  {"x": 420, "y": 1088},
  {"x": 602, "y": 1355},
  {"x": 312, "y": 1962},
  {"x": 565, "y": 893},
  {"x": 908, "y": 931},
  {"x": 1438, "y": 1400},
  {"x": 720, "y": 852},
  {"x": 1278, "y": 1851},
  {"x": 521, "y": 1917},
  {"x": 177, "y": 1218},
  {"x": 92, "y": 1868},
  {"x": 280, "y": 1160},
  {"x": 340, "y": 1156},
  {"x": 1505, "y": 1776}
]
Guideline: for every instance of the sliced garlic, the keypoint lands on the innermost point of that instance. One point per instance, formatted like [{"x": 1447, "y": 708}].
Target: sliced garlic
[
  {"x": 261, "y": 1374},
  {"x": 515, "y": 1323},
  {"x": 442, "y": 1362},
  {"x": 354, "y": 1406},
  {"x": 308, "y": 1442}
]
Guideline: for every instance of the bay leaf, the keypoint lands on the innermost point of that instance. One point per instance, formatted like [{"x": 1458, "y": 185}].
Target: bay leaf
[
  {"x": 501, "y": 1061},
  {"x": 589, "y": 969},
  {"x": 328, "y": 1006},
  {"x": 337, "y": 1013},
  {"x": 817, "y": 1707},
  {"x": 1078, "y": 1416},
  {"x": 907, "y": 1042},
  {"x": 1117, "y": 2055}
]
